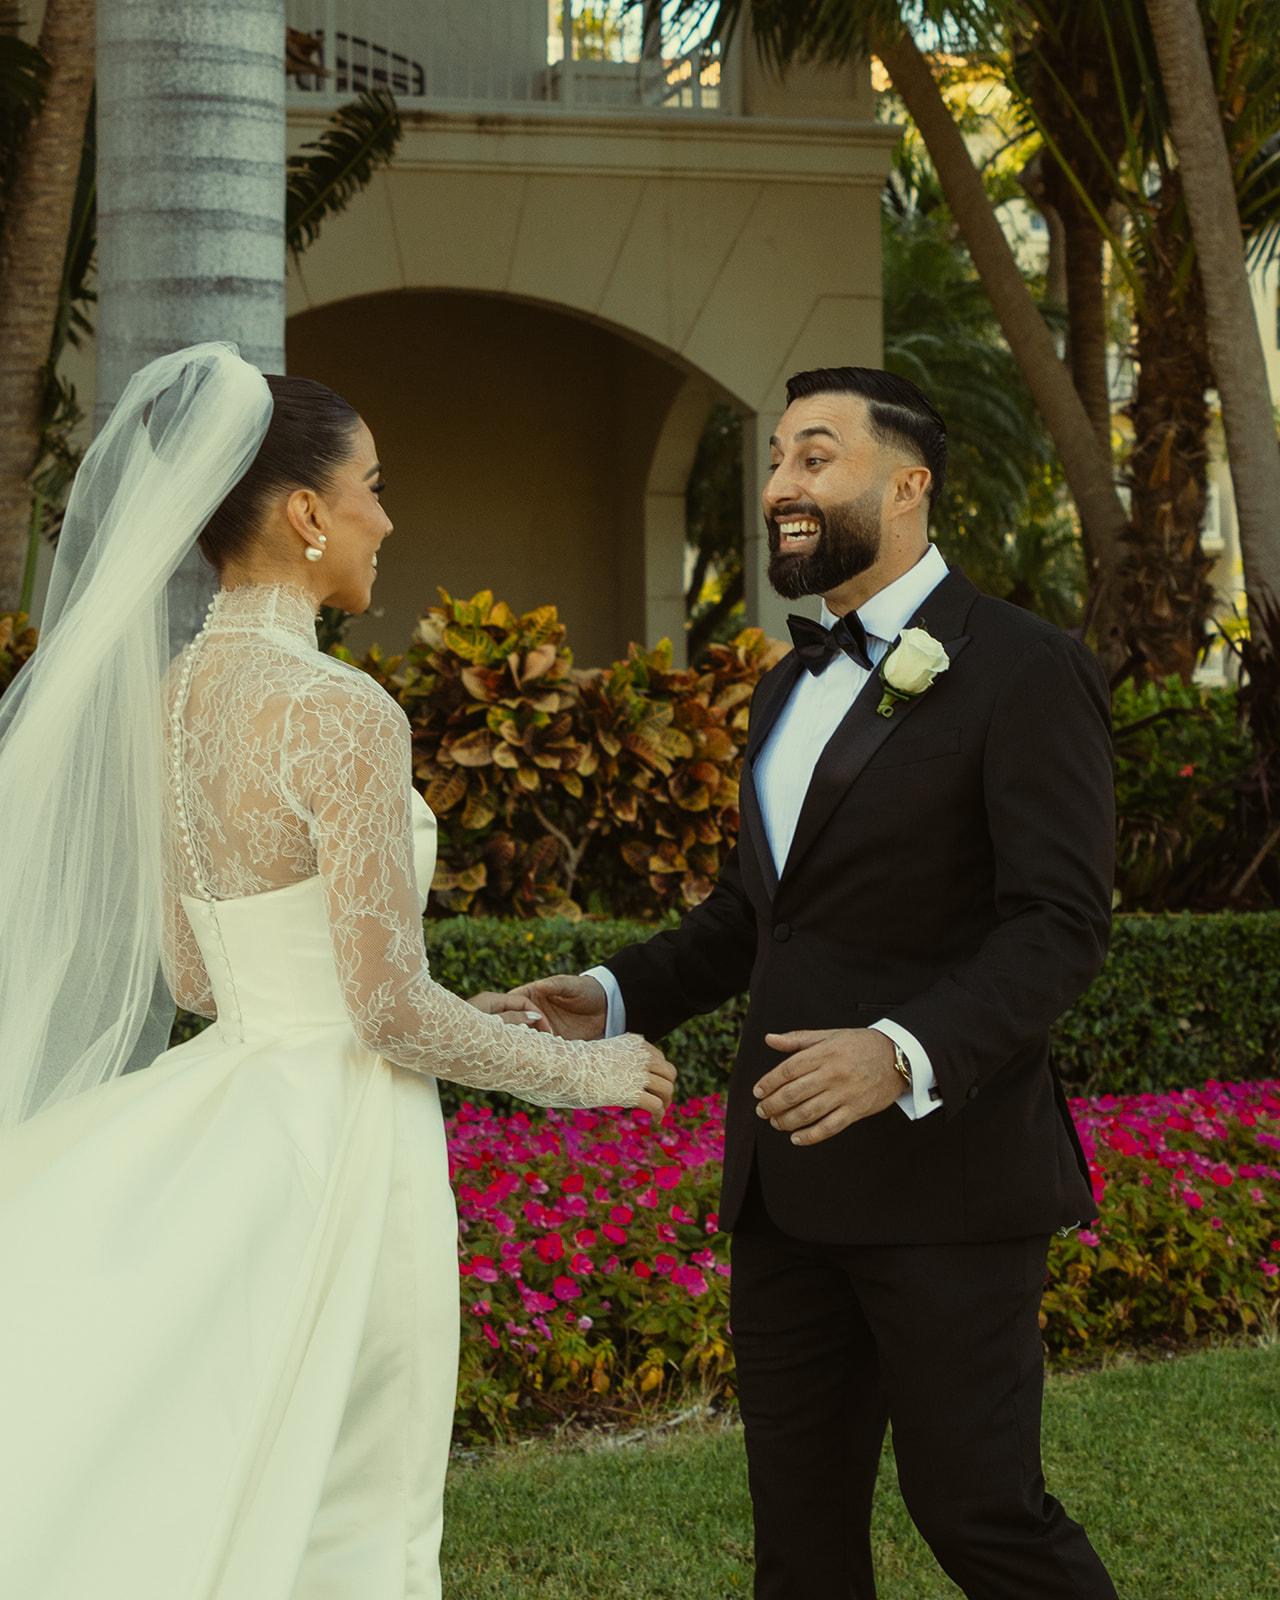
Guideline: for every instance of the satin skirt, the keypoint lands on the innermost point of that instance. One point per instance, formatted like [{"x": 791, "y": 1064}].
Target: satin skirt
[{"x": 229, "y": 1324}]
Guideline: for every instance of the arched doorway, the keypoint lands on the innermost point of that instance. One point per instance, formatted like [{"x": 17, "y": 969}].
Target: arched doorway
[{"x": 527, "y": 451}]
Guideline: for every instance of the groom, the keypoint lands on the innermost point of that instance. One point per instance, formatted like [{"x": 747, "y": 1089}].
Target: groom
[{"x": 922, "y": 884}]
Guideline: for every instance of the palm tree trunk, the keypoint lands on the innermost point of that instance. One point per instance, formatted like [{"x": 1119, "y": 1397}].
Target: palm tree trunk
[
  {"x": 1087, "y": 318},
  {"x": 1234, "y": 341},
  {"x": 1166, "y": 578},
  {"x": 191, "y": 196},
  {"x": 1085, "y": 463},
  {"x": 32, "y": 251}
]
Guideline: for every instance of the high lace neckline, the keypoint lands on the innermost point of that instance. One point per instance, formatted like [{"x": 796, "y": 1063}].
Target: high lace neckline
[{"x": 283, "y": 609}]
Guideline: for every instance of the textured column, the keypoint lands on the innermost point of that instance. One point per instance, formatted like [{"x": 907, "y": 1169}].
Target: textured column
[{"x": 191, "y": 146}]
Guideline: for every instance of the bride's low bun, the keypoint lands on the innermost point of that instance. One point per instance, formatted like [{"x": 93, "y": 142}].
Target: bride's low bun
[{"x": 311, "y": 433}]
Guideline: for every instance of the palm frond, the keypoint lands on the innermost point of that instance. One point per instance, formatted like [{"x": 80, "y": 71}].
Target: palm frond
[
  {"x": 24, "y": 74},
  {"x": 24, "y": 77},
  {"x": 75, "y": 294},
  {"x": 328, "y": 173}
]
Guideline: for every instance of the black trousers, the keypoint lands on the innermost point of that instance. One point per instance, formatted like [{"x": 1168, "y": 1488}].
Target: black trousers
[{"x": 835, "y": 1341}]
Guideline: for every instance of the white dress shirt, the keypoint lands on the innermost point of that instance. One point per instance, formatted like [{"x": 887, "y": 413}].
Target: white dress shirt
[{"x": 784, "y": 768}]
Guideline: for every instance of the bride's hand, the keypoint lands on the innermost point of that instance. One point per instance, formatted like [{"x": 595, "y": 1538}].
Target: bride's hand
[
  {"x": 661, "y": 1087},
  {"x": 501, "y": 1006}
]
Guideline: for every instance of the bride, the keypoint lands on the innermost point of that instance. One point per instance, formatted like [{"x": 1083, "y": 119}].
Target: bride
[{"x": 229, "y": 1324}]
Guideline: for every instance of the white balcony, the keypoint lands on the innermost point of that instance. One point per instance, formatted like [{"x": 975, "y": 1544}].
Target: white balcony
[{"x": 454, "y": 54}]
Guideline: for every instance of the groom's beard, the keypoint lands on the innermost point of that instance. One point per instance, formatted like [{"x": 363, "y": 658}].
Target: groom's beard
[{"x": 848, "y": 543}]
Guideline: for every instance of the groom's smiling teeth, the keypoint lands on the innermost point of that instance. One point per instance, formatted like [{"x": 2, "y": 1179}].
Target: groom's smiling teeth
[{"x": 797, "y": 531}]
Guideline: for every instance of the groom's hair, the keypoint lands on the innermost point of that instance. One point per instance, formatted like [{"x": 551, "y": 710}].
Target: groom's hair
[{"x": 897, "y": 412}]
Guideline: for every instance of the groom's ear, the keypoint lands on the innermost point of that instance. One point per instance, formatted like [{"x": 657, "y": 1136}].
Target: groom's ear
[{"x": 910, "y": 489}]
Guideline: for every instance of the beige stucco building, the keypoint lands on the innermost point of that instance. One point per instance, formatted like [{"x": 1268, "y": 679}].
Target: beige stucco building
[{"x": 572, "y": 257}]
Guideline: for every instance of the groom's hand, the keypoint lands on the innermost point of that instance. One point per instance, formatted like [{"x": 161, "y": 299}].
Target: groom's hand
[
  {"x": 573, "y": 1007},
  {"x": 831, "y": 1077}
]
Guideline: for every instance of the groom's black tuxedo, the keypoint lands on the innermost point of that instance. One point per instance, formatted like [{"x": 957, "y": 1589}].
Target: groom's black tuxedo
[{"x": 951, "y": 870}]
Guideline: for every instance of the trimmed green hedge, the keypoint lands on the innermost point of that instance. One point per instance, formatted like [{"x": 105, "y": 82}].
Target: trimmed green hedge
[{"x": 1182, "y": 998}]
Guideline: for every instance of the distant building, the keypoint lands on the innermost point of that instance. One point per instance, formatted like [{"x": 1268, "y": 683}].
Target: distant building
[{"x": 587, "y": 238}]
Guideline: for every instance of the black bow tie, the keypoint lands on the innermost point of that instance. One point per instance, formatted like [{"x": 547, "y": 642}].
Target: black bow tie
[{"x": 818, "y": 647}]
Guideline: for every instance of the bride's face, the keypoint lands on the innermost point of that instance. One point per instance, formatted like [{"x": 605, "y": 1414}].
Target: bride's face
[{"x": 350, "y": 516}]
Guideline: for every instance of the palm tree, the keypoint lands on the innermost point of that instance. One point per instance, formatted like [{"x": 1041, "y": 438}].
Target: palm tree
[
  {"x": 42, "y": 167},
  {"x": 941, "y": 332},
  {"x": 1239, "y": 365},
  {"x": 319, "y": 182},
  {"x": 1104, "y": 116}
]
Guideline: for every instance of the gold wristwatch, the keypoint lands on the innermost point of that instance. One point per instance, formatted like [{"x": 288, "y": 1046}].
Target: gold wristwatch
[{"x": 901, "y": 1065}]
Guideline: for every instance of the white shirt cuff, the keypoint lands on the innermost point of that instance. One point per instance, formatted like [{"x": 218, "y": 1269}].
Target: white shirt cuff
[
  {"x": 920, "y": 1099},
  {"x": 615, "y": 1021}
]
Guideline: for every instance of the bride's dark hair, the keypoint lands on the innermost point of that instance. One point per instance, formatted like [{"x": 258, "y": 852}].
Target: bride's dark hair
[{"x": 311, "y": 433}]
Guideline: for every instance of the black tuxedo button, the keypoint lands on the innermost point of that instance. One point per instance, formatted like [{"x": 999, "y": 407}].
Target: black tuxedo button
[
  {"x": 973, "y": 1092},
  {"x": 782, "y": 932}
]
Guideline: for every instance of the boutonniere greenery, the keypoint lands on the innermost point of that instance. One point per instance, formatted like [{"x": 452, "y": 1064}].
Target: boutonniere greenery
[{"x": 910, "y": 668}]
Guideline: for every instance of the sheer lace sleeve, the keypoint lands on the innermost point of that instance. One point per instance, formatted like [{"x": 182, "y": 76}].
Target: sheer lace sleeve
[
  {"x": 180, "y": 958},
  {"x": 349, "y": 750}
]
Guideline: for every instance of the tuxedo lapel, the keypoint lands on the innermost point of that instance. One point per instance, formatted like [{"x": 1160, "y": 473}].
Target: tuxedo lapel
[
  {"x": 772, "y": 693},
  {"x": 864, "y": 730},
  {"x": 758, "y": 869}
]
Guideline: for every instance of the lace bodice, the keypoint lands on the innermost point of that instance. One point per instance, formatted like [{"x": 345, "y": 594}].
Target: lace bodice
[{"x": 285, "y": 764}]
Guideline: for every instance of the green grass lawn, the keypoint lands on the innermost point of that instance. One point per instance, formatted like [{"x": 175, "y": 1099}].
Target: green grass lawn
[{"x": 1173, "y": 1466}]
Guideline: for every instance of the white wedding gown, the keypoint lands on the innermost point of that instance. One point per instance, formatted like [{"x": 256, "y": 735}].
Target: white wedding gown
[{"x": 229, "y": 1324}]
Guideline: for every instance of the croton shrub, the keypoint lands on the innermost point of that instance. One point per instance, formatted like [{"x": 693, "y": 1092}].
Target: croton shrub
[
  {"x": 17, "y": 641},
  {"x": 559, "y": 789}
]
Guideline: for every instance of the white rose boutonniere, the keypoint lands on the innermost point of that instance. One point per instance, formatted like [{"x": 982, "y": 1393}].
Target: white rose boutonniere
[{"x": 910, "y": 668}]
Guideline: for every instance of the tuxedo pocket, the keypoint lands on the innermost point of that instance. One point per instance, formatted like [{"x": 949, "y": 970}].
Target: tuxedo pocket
[{"x": 907, "y": 749}]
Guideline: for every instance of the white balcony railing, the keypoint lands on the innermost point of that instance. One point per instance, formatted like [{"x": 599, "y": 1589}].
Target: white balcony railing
[{"x": 579, "y": 53}]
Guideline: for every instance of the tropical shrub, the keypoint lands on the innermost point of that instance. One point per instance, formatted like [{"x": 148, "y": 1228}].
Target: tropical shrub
[
  {"x": 595, "y": 1275},
  {"x": 17, "y": 641},
  {"x": 617, "y": 788},
  {"x": 1179, "y": 748}
]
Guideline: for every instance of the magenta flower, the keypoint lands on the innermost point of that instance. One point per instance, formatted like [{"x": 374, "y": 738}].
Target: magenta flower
[
  {"x": 565, "y": 1289},
  {"x": 689, "y": 1278}
]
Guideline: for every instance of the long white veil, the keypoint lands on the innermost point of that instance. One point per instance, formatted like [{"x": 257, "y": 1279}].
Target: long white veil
[{"x": 81, "y": 733}]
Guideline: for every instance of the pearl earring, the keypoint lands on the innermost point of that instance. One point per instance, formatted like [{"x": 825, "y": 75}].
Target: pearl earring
[{"x": 311, "y": 553}]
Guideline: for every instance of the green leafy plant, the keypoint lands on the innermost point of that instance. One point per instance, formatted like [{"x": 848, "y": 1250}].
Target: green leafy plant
[
  {"x": 554, "y": 786},
  {"x": 1181, "y": 999},
  {"x": 326, "y": 174},
  {"x": 17, "y": 641}
]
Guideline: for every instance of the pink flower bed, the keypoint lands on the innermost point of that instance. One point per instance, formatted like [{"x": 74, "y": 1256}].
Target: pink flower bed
[{"x": 594, "y": 1271}]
